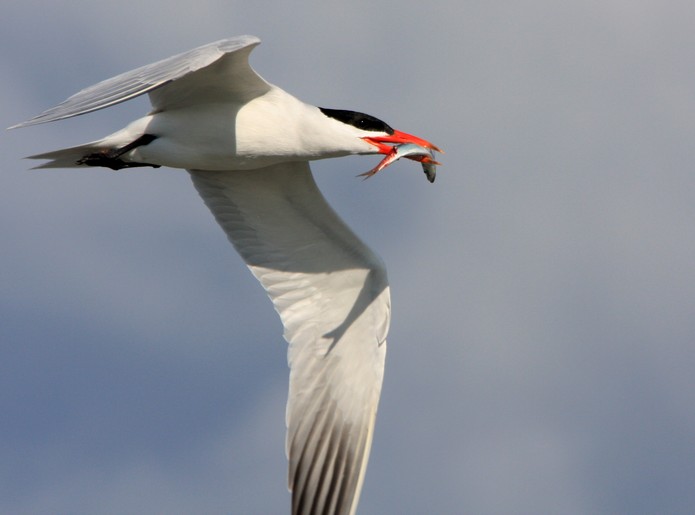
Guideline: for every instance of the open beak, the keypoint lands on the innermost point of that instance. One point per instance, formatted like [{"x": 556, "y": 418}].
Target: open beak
[
  {"x": 384, "y": 143},
  {"x": 392, "y": 146}
]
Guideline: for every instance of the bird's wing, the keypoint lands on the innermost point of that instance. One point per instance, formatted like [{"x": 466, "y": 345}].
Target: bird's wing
[
  {"x": 332, "y": 295},
  {"x": 215, "y": 72}
]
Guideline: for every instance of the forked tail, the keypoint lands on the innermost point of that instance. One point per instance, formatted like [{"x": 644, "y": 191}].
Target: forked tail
[{"x": 95, "y": 153}]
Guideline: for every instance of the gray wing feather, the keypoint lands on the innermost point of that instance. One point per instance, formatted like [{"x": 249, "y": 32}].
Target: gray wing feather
[{"x": 172, "y": 81}]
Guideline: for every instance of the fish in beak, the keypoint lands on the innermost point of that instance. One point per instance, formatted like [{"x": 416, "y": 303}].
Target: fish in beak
[{"x": 401, "y": 144}]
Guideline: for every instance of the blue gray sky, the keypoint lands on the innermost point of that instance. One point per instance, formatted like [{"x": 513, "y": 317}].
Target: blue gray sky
[{"x": 542, "y": 350}]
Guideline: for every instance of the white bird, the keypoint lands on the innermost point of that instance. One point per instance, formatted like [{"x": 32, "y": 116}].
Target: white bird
[{"x": 247, "y": 145}]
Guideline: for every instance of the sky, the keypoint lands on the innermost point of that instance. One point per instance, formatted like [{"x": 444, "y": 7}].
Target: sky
[{"x": 542, "y": 347}]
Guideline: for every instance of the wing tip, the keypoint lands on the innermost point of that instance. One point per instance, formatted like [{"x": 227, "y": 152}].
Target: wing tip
[{"x": 26, "y": 123}]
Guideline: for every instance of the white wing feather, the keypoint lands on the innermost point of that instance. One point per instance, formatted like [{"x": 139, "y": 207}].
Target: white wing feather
[
  {"x": 332, "y": 295},
  {"x": 221, "y": 72}
]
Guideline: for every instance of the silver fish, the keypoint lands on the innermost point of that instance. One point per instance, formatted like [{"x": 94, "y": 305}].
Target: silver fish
[{"x": 411, "y": 151}]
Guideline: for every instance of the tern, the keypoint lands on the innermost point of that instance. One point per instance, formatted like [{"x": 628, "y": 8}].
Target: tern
[{"x": 247, "y": 145}]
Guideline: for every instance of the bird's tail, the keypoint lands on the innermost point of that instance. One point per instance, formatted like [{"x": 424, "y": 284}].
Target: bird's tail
[
  {"x": 71, "y": 157},
  {"x": 97, "y": 153}
]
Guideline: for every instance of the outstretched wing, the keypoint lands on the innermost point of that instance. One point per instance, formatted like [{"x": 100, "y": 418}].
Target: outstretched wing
[
  {"x": 332, "y": 295},
  {"x": 215, "y": 72}
]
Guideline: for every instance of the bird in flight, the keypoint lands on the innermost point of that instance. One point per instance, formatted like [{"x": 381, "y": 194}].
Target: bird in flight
[{"x": 247, "y": 145}]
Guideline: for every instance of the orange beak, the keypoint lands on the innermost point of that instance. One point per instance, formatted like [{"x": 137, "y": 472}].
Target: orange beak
[{"x": 383, "y": 143}]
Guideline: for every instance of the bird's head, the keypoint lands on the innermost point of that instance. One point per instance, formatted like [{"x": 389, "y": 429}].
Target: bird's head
[
  {"x": 382, "y": 138},
  {"x": 376, "y": 132}
]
